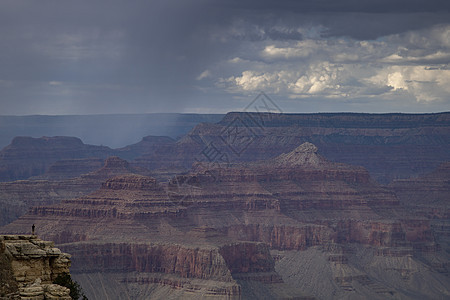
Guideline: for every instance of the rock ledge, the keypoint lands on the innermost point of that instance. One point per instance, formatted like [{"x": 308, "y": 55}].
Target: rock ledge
[{"x": 31, "y": 265}]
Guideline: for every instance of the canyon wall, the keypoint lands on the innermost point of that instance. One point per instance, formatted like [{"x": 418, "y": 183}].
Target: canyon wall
[
  {"x": 224, "y": 230},
  {"x": 389, "y": 146},
  {"x": 17, "y": 197}
]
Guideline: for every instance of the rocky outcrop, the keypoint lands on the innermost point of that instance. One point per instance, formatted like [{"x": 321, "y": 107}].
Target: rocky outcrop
[
  {"x": 304, "y": 155},
  {"x": 33, "y": 265}
]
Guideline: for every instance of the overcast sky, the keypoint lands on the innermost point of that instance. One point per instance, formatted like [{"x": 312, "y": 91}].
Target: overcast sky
[{"x": 110, "y": 56}]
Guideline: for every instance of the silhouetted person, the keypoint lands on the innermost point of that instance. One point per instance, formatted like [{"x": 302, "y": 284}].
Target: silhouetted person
[{"x": 32, "y": 229}]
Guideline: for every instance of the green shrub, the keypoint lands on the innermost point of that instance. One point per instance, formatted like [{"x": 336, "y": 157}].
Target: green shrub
[{"x": 76, "y": 292}]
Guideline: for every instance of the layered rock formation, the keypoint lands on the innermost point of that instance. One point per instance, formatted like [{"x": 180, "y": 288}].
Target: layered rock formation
[
  {"x": 428, "y": 197},
  {"x": 431, "y": 189},
  {"x": 18, "y": 196},
  {"x": 229, "y": 229},
  {"x": 390, "y": 146},
  {"x": 29, "y": 267}
]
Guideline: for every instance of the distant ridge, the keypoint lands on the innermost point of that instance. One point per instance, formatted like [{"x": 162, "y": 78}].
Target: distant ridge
[
  {"x": 343, "y": 120},
  {"x": 115, "y": 131},
  {"x": 390, "y": 146}
]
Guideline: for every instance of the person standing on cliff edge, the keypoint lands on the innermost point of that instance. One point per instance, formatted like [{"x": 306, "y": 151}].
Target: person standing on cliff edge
[{"x": 32, "y": 229}]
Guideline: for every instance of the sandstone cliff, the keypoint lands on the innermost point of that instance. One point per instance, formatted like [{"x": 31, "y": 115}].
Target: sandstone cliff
[{"x": 29, "y": 267}]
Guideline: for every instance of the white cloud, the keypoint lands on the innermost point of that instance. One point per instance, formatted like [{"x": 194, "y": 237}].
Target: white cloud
[
  {"x": 425, "y": 84},
  {"x": 396, "y": 81},
  {"x": 414, "y": 65},
  {"x": 436, "y": 57},
  {"x": 300, "y": 50},
  {"x": 204, "y": 74},
  {"x": 324, "y": 78},
  {"x": 236, "y": 60}
]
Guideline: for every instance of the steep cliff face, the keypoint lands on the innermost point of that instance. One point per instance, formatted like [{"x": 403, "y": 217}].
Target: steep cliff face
[
  {"x": 31, "y": 266},
  {"x": 198, "y": 271}
]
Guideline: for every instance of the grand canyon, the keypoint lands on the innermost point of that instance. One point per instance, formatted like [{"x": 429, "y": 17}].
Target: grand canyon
[
  {"x": 240, "y": 150},
  {"x": 253, "y": 206}
]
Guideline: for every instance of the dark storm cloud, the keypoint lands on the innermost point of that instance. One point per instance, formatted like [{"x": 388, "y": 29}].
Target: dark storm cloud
[{"x": 144, "y": 56}]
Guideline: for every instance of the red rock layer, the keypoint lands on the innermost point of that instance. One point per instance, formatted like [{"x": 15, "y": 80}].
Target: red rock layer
[
  {"x": 206, "y": 224},
  {"x": 311, "y": 201},
  {"x": 17, "y": 197}
]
